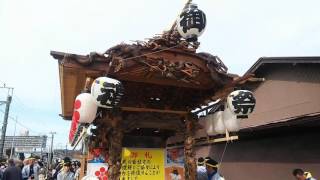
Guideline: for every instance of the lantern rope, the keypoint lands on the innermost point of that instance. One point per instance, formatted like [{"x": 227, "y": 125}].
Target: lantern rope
[
  {"x": 222, "y": 155},
  {"x": 225, "y": 146}
]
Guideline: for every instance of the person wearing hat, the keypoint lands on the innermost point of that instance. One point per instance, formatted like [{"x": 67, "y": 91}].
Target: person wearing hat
[
  {"x": 212, "y": 170},
  {"x": 59, "y": 166},
  {"x": 31, "y": 171},
  {"x": 207, "y": 158},
  {"x": 66, "y": 173},
  {"x": 201, "y": 169}
]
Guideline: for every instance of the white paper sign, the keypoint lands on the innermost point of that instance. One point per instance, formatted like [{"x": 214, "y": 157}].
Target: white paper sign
[{"x": 99, "y": 170}]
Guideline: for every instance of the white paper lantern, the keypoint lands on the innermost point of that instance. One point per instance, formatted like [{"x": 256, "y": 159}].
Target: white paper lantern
[
  {"x": 209, "y": 126},
  {"x": 241, "y": 102},
  {"x": 219, "y": 126},
  {"x": 86, "y": 106},
  {"x": 191, "y": 23},
  {"x": 214, "y": 124},
  {"x": 107, "y": 92},
  {"x": 231, "y": 122}
]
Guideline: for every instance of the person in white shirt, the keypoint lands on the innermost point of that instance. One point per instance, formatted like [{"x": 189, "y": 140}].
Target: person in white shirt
[
  {"x": 201, "y": 169},
  {"x": 31, "y": 171},
  {"x": 66, "y": 173}
]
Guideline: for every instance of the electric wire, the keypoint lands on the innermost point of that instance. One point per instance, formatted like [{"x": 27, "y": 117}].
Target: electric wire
[{"x": 22, "y": 125}]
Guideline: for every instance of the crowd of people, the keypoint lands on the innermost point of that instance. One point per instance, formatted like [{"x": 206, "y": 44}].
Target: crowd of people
[
  {"x": 66, "y": 169},
  {"x": 34, "y": 169},
  {"x": 207, "y": 169}
]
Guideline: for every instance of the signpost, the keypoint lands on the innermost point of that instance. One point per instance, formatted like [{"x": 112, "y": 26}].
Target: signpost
[{"x": 25, "y": 142}]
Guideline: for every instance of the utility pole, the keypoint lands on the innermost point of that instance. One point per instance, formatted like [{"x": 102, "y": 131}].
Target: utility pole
[
  {"x": 14, "y": 136},
  {"x": 66, "y": 150},
  {"x": 5, "y": 119},
  {"x": 51, "y": 149}
]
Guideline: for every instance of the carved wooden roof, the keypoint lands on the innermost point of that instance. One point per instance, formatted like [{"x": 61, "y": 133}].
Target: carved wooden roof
[
  {"x": 164, "y": 79},
  {"x": 169, "y": 75}
]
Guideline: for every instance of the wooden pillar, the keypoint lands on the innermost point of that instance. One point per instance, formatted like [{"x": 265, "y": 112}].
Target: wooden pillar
[
  {"x": 189, "y": 153},
  {"x": 115, "y": 145},
  {"x": 83, "y": 160}
]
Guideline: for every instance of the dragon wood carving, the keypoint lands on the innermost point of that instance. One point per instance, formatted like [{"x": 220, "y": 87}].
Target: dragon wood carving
[{"x": 123, "y": 56}]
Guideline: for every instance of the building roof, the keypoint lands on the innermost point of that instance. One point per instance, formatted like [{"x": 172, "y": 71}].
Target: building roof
[
  {"x": 282, "y": 60},
  {"x": 290, "y": 90}
]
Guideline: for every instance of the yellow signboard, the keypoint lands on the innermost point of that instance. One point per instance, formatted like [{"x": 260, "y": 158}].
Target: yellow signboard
[{"x": 142, "y": 164}]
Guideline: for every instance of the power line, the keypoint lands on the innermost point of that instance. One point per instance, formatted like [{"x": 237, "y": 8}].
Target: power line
[
  {"x": 16, "y": 98},
  {"x": 18, "y": 101},
  {"x": 10, "y": 117},
  {"x": 2, "y": 82},
  {"x": 19, "y": 105}
]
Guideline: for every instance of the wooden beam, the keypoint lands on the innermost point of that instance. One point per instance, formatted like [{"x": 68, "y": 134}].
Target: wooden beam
[
  {"x": 139, "y": 78},
  {"x": 253, "y": 79},
  {"x": 225, "y": 91},
  {"x": 208, "y": 142},
  {"x": 149, "y": 124},
  {"x": 230, "y": 138},
  {"x": 135, "y": 109}
]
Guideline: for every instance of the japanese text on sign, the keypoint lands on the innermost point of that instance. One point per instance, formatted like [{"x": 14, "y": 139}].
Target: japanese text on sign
[{"x": 142, "y": 164}]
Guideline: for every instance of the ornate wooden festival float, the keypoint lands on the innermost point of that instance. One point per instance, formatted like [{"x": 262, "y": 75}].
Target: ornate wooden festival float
[{"x": 148, "y": 89}]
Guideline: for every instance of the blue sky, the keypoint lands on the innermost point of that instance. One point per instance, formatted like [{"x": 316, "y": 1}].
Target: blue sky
[{"x": 238, "y": 31}]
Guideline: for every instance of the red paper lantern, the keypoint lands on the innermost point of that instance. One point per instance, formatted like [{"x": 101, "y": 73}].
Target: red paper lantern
[{"x": 74, "y": 126}]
